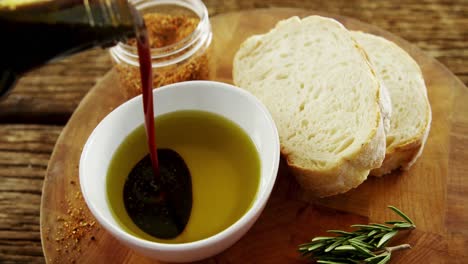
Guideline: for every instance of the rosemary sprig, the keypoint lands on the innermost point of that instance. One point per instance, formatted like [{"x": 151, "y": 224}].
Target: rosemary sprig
[{"x": 366, "y": 245}]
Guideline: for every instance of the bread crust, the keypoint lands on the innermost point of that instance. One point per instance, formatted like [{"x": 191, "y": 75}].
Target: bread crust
[
  {"x": 404, "y": 155},
  {"x": 349, "y": 173},
  {"x": 385, "y": 101},
  {"x": 397, "y": 158}
]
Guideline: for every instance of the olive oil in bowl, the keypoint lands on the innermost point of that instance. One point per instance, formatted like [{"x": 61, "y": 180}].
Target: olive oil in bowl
[{"x": 223, "y": 162}]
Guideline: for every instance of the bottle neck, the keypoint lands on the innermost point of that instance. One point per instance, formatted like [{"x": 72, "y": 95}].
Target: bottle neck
[
  {"x": 117, "y": 14},
  {"x": 109, "y": 13}
]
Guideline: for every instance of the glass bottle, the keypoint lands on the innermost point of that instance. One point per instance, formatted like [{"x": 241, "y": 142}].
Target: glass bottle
[{"x": 37, "y": 31}]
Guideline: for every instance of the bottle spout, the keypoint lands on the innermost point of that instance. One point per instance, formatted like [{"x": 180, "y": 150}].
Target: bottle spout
[{"x": 7, "y": 82}]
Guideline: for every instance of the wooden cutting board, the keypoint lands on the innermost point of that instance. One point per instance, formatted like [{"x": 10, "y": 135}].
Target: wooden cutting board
[{"x": 434, "y": 193}]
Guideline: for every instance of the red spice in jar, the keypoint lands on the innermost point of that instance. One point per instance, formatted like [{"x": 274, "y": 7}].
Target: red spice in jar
[{"x": 165, "y": 30}]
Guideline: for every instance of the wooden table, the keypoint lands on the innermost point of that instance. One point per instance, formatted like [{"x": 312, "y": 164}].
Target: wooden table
[{"x": 32, "y": 117}]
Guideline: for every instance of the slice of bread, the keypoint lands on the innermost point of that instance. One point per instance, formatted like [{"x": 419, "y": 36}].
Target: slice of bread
[
  {"x": 411, "y": 117},
  {"x": 324, "y": 98}
]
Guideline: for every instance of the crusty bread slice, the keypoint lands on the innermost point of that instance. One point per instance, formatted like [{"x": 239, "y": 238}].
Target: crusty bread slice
[
  {"x": 411, "y": 118},
  {"x": 324, "y": 98}
]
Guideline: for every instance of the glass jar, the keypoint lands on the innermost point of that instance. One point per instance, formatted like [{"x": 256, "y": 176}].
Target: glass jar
[{"x": 180, "y": 37}]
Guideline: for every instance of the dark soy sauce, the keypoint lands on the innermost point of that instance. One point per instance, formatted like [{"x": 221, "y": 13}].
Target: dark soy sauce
[
  {"x": 35, "y": 32},
  {"x": 146, "y": 73},
  {"x": 157, "y": 195},
  {"x": 163, "y": 209}
]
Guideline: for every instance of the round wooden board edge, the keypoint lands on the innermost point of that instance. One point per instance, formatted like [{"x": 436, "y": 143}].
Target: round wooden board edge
[
  {"x": 300, "y": 12},
  {"x": 111, "y": 74}
]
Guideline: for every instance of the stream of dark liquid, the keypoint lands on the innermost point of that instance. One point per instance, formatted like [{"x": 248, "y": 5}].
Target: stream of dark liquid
[
  {"x": 146, "y": 72},
  {"x": 157, "y": 196}
]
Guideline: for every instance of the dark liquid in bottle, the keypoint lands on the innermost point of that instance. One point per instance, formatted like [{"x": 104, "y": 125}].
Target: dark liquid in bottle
[
  {"x": 34, "y": 33},
  {"x": 157, "y": 195}
]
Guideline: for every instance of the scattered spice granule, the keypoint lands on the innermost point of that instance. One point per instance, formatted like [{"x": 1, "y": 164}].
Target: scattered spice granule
[
  {"x": 72, "y": 227},
  {"x": 163, "y": 31}
]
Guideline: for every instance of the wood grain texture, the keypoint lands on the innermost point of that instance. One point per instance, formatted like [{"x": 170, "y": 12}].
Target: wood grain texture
[
  {"x": 49, "y": 95},
  {"x": 439, "y": 27},
  {"x": 24, "y": 153},
  {"x": 433, "y": 192}
]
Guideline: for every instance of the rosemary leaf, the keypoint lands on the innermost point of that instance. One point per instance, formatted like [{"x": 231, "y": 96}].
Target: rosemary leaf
[
  {"x": 315, "y": 246},
  {"x": 303, "y": 247},
  {"x": 383, "y": 227},
  {"x": 340, "y": 232},
  {"x": 403, "y": 226},
  {"x": 328, "y": 258},
  {"x": 386, "y": 238},
  {"x": 360, "y": 243},
  {"x": 379, "y": 235},
  {"x": 363, "y": 226},
  {"x": 354, "y": 261},
  {"x": 372, "y": 227},
  {"x": 400, "y": 213},
  {"x": 386, "y": 259},
  {"x": 330, "y": 262},
  {"x": 359, "y": 238},
  {"x": 346, "y": 248},
  {"x": 371, "y": 233},
  {"x": 334, "y": 245},
  {"x": 376, "y": 258},
  {"x": 321, "y": 238},
  {"x": 363, "y": 250},
  {"x": 395, "y": 222}
]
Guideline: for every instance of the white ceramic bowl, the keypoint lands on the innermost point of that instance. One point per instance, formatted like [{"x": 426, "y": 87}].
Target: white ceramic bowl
[{"x": 223, "y": 99}]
